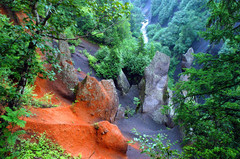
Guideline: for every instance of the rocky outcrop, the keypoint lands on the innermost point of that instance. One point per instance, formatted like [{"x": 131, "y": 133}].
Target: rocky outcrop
[
  {"x": 122, "y": 83},
  {"x": 68, "y": 74},
  {"x": 156, "y": 84},
  {"x": 141, "y": 87},
  {"x": 187, "y": 59},
  {"x": 98, "y": 98},
  {"x": 120, "y": 113}
]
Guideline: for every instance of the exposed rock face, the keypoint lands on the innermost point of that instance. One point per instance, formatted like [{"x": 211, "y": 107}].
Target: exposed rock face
[
  {"x": 99, "y": 98},
  {"x": 68, "y": 73},
  {"x": 122, "y": 83},
  {"x": 187, "y": 59},
  {"x": 141, "y": 87},
  {"x": 171, "y": 112},
  {"x": 120, "y": 113},
  {"x": 156, "y": 79}
]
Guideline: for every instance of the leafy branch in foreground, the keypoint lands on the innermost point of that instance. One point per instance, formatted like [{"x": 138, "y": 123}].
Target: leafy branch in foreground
[
  {"x": 8, "y": 136},
  {"x": 211, "y": 124}
]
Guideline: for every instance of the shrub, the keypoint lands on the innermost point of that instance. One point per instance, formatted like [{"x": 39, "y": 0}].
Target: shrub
[
  {"x": 111, "y": 65},
  {"x": 69, "y": 32},
  {"x": 135, "y": 64},
  {"x": 8, "y": 137},
  {"x": 72, "y": 49},
  {"x": 156, "y": 147},
  {"x": 91, "y": 59},
  {"x": 42, "y": 147},
  {"x": 43, "y": 102},
  {"x": 102, "y": 53}
]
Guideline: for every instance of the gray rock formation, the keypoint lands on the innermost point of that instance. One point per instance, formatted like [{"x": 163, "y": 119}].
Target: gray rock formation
[
  {"x": 156, "y": 84},
  {"x": 187, "y": 59},
  {"x": 122, "y": 83},
  {"x": 68, "y": 73},
  {"x": 120, "y": 113}
]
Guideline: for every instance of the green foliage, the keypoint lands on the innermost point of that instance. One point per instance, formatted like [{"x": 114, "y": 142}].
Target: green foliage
[
  {"x": 141, "y": 45},
  {"x": 212, "y": 126},
  {"x": 8, "y": 138},
  {"x": 133, "y": 61},
  {"x": 70, "y": 33},
  {"x": 129, "y": 112},
  {"x": 226, "y": 48},
  {"x": 111, "y": 65},
  {"x": 44, "y": 102},
  {"x": 104, "y": 21},
  {"x": 136, "y": 19},
  {"x": 135, "y": 64},
  {"x": 128, "y": 58},
  {"x": 29, "y": 99},
  {"x": 215, "y": 123},
  {"x": 96, "y": 125},
  {"x": 42, "y": 147},
  {"x": 107, "y": 62},
  {"x": 91, "y": 59},
  {"x": 102, "y": 53},
  {"x": 175, "y": 27},
  {"x": 72, "y": 49},
  {"x": 163, "y": 10},
  {"x": 19, "y": 61},
  {"x": 79, "y": 69},
  {"x": 20, "y": 64},
  {"x": 182, "y": 28},
  {"x": 136, "y": 101},
  {"x": 156, "y": 147}
]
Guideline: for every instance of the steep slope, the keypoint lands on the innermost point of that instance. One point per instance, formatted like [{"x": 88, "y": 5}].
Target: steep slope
[{"x": 78, "y": 133}]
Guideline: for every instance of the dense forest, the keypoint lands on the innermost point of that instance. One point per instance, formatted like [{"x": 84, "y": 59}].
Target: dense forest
[{"x": 210, "y": 127}]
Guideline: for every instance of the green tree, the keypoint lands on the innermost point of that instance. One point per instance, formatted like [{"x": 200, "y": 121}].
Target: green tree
[
  {"x": 104, "y": 21},
  {"x": 141, "y": 45},
  {"x": 46, "y": 19},
  {"x": 211, "y": 127},
  {"x": 20, "y": 63}
]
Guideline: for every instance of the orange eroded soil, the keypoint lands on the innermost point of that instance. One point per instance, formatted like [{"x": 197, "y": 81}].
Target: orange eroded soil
[{"x": 76, "y": 133}]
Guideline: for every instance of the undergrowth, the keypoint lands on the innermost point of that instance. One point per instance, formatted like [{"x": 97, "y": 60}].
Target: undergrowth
[
  {"x": 156, "y": 147},
  {"x": 39, "y": 147},
  {"x": 42, "y": 102}
]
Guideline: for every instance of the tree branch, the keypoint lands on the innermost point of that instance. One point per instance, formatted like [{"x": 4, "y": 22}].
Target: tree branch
[
  {"x": 83, "y": 36},
  {"x": 213, "y": 90},
  {"x": 57, "y": 38},
  {"x": 49, "y": 14},
  {"x": 35, "y": 12}
]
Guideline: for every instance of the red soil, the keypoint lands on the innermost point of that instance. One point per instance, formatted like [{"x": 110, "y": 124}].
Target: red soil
[{"x": 77, "y": 134}]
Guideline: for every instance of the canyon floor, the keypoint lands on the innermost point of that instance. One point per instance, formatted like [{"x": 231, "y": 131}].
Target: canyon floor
[{"x": 142, "y": 122}]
